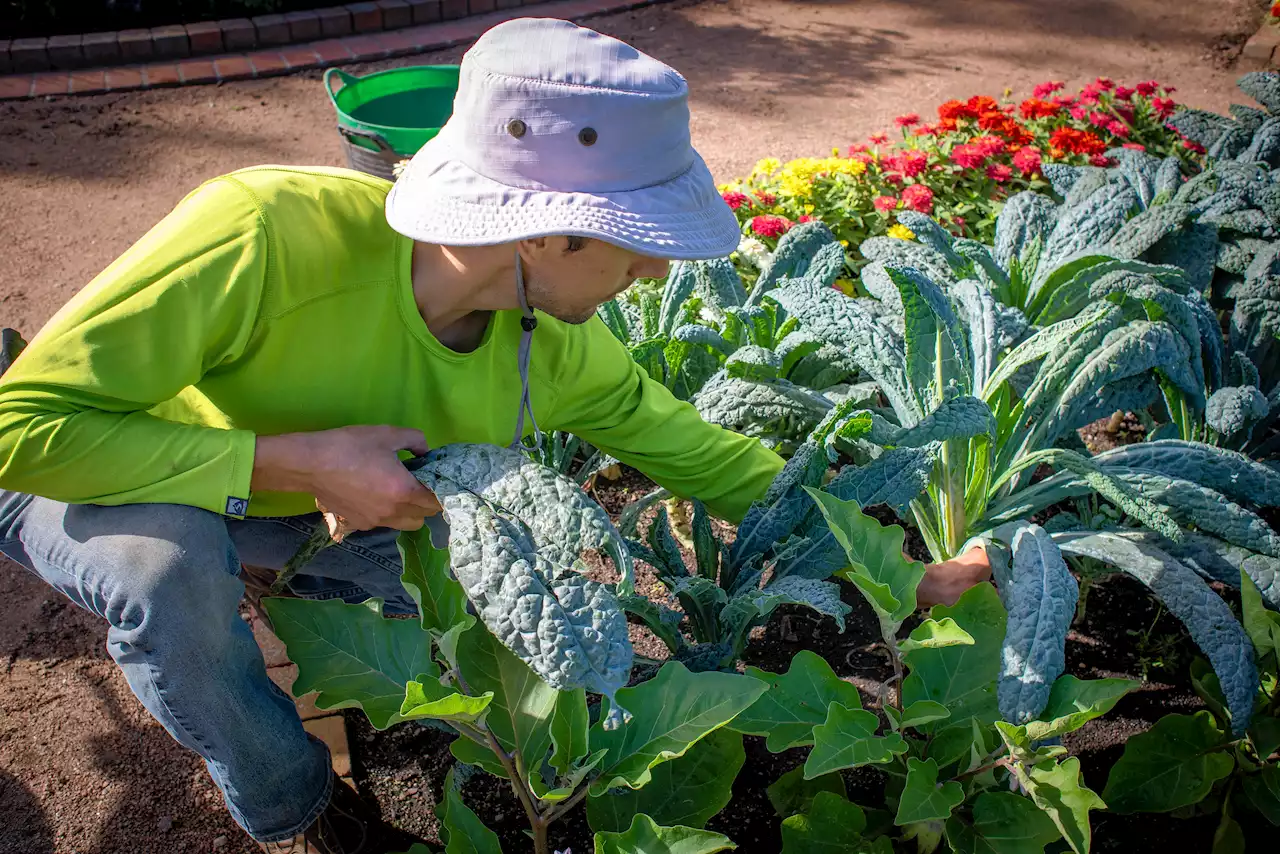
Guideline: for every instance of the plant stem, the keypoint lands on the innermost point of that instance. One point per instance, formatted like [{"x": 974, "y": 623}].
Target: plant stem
[
  {"x": 540, "y": 843},
  {"x": 890, "y": 634},
  {"x": 1002, "y": 762},
  {"x": 518, "y": 786},
  {"x": 564, "y": 806}
]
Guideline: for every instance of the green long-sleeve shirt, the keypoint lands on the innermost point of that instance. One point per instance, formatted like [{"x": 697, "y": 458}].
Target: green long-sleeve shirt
[{"x": 277, "y": 300}]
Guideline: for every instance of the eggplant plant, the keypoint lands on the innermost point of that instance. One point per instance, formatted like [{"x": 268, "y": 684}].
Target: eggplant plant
[
  {"x": 954, "y": 769},
  {"x": 510, "y": 638}
]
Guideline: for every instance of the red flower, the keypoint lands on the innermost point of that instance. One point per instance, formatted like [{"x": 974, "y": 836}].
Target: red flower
[
  {"x": 856, "y": 147},
  {"x": 862, "y": 157},
  {"x": 919, "y": 198},
  {"x": 1147, "y": 88},
  {"x": 926, "y": 130},
  {"x": 884, "y": 204},
  {"x": 1275, "y": 11},
  {"x": 910, "y": 162},
  {"x": 1027, "y": 160},
  {"x": 1079, "y": 113},
  {"x": 955, "y": 110},
  {"x": 1125, "y": 111},
  {"x": 968, "y": 156},
  {"x": 907, "y": 121},
  {"x": 980, "y": 104},
  {"x": 892, "y": 178},
  {"x": 947, "y": 125},
  {"x": 990, "y": 146},
  {"x": 736, "y": 200},
  {"x": 1123, "y": 93},
  {"x": 879, "y": 138},
  {"x": 1099, "y": 118},
  {"x": 770, "y": 226},
  {"x": 1136, "y": 146},
  {"x": 992, "y": 120},
  {"x": 1044, "y": 90},
  {"x": 1064, "y": 100},
  {"x": 1118, "y": 128},
  {"x": 1164, "y": 107},
  {"x": 1089, "y": 94},
  {"x": 1076, "y": 141},
  {"x": 1105, "y": 83},
  {"x": 766, "y": 199},
  {"x": 1190, "y": 145},
  {"x": 1169, "y": 90},
  {"x": 1035, "y": 108},
  {"x": 805, "y": 218},
  {"x": 1101, "y": 160},
  {"x": 999, "y": 172}
]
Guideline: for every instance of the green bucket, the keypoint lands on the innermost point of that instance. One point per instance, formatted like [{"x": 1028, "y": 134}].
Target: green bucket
[{"x": 387, "y": 116}]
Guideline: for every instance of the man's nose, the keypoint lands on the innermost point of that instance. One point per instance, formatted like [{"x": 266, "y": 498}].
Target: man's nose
[{"x": 649, "y": 268}]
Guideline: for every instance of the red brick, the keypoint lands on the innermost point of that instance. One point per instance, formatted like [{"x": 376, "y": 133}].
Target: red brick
[
  {"x": 134, "y": 44},
  {"x": 233, "y": 67},
  {"x": 100, "y": 48},
  {"x": 16, "y": 86},
  {"x": 197, "y": 71},
  {"x": 64, "y": 52},
  {"x": 267, "y": 62},
  {"x": 451, "y": 10},
  {"x": 480, "y": 7},
  {"x": 272, "y": 29},
  {"x": 51, "y": 83},
  {"x": 331, "y": 51},
  {"x": 425, "y": 11},
  {"x": 306, "y": 704},
  {"x": 365, "y": 47},
  {"x": 335, "y": 21},
  {"x": 303, "y": 26},
  {"x": 301, "y": 56},
  {"x": 205, "y": 37},
  {"x": 170, "y": 42},
  {"x": 332, "y": 730},
  {"x": 509, "y": 4},
  {"x": 163, "y": 74},
  {"x": 124, "y": 78},
  {"x": 92, "y": 80},
  {"x": 405, "y": 41},
  {"x": 273, "y": 649},
  {"x": 365, "y": 17},
  {"x": 395, "y": 14},
  {"x": 29, "y": 54},
  {"x": 238, "y": 34}
]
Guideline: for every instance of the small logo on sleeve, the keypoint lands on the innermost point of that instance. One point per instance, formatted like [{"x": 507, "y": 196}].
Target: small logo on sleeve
[{"x": 237, "y": 506}]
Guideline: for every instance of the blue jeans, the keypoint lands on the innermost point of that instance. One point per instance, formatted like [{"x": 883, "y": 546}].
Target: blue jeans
[{"x": 165, "y": 578}]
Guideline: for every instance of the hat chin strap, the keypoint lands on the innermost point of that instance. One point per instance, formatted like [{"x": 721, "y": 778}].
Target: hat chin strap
[{"x": 528, "y": 323}]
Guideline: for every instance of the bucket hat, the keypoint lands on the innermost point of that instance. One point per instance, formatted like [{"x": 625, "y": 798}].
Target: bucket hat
[{"x": 560, "y": 130}]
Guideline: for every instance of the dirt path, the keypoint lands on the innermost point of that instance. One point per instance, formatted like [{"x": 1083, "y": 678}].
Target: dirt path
[{"x": 82, "y": 768}]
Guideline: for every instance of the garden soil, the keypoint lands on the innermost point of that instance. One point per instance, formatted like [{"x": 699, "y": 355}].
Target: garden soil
[{"x": 84, "y": 769}]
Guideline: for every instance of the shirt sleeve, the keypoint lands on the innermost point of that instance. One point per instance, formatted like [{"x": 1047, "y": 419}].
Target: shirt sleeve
[
  {"x": 177, "y": 305},
  {"x": 610, "y": 401}
]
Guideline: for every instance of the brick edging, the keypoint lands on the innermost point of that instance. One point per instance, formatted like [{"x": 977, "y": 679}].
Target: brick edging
[
  {"x": 273, "y": 62},
  {"x": 210, "y": 38},
  {"x": 1259, "y": 52}
]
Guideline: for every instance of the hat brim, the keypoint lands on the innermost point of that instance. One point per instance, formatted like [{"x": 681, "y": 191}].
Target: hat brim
[{"x": 439, "y": 199}]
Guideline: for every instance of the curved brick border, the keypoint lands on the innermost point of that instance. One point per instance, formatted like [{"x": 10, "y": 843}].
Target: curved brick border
[
  {"x": 1259, "y": 52},
  {"x": 317, "y": 54}
]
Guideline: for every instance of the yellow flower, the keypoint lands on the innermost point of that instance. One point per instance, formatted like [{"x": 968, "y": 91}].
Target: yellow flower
[
  {"x": 1007, "y": 91},
  {"x": 767, "y": 166},
  {"x": 844, "y": 243},
  {"x": 797, "y": 186},
  {"x": 808, "y": 209},
  {"x": 845, "y": 286},
  {"x": 901, "y": 232}
]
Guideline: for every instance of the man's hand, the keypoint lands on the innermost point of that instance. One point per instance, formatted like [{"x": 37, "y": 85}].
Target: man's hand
[{"x": 354, "y": 474}]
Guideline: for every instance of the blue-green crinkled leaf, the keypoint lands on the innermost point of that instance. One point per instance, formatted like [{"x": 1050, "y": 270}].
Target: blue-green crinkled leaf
[
  {"x": 804, "y": 251},
  {"x": 907, "y": 253},
  {"x": 692, "y": 333},
  {"x": 1263, "y": 87},
  {"x": 1139, "y": 169},
  {"x": 1147, "y": 228},
  {"x": 928, "y": 315},
  {"x": 1231, "y": 144},
  {"x": 1041, "y": 604},
  {"x": 842, "y": 322},
  {"x": 985, "y": 267},
  {"x": 936, "y": 238},
  {"x": 1235, "y": 409},
  {"x": 613, "y": 317},
  {"x": 1265, "y": 145},
  {"x": 1195, "y": 250},
  {"x": 517, "y": 530},
  {"x": 1249, "y": 118},
  {"x": 1207, "y": 618},
  {"x": 719, "y": 285},
  {"x": 783, "y": 506},
  {"x": 1089, "y": 223},
  {"x": 775, "y": 408},
  {"x": 958, "y": 417},
  {"x": 821, "y": 596},
  {"x": 678, "y": 288},
  {"x": 1169, "y": 176},
  {"x": 1200, "y": 126},
  {"x": 1062, "y": 177},
  {"x": 754, "y": 363},
  {"x": 1235, "y": 256},
  {"x": 875, "y": 280},
  {"x": 1218, "y": 560}
]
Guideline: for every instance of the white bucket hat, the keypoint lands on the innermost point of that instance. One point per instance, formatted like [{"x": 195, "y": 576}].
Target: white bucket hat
[{"x": 559, "y": 130}]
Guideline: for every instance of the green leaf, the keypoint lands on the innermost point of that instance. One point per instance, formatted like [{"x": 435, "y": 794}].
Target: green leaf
[
  {"x": 920, "y": 712},
  {"x": 1264, "y": 732},
  {"x": 923, "y": 798},
  {"x": 1002, "y": 823},
  {"x": 646, "y": 836},
  {"x": 792, "y": 793},
  {"x": 442, "y": 604},
  {"x": 935, "y": 634},
  {"x": 1074, "y": 702},
  {"x": 1171, "y": 765},
  {"x": 1262, "y": 625},
  {"x": 672, "y": 711},
  {"x": 351, "y": 654},
  {"x": 1055, "y": 787},
  {"x": 418, "y": 848},
  {"x": 430, "y": 699},
  {"x": 795, "y": 703},
  {"x": 466, "y": 833},
  {"x": 522, "y": 705},
  {"x": 879, "y": 568},
  {"x": 955, "y": 742},
  {"x": 962, "y": 678},
  {"x": 569, "y": 722},
  {"x": 1228, "y": 838},
  {"x": 833, "y": 825},
  {"x": 847, "y": 739},
  {"x": 1263, "y": 791},
  {"x": 686, "y": 791}
]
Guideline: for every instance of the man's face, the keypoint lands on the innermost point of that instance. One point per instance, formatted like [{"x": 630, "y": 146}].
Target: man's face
[{"x": 570, "y": 285}]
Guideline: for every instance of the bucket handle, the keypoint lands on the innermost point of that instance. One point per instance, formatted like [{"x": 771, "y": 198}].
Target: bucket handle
[
  {"x": 347, "y": 80},
  {"x": 384, "y": 148}
]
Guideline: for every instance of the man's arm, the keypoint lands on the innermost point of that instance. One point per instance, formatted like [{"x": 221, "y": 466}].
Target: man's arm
[
  {"x": 177, "y": 304},
  {"x": 609, "y": 400}
]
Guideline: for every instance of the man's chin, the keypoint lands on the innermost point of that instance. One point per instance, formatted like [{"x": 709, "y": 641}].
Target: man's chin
[{"x": 574, "y": 318}]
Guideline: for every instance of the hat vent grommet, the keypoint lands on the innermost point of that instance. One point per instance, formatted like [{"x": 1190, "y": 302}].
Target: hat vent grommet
[
  {"x": 587, "y": 136},
  {"x": 517, "y": 128}
]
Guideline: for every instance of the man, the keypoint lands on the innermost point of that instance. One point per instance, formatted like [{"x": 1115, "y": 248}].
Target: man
[{"x": 276, "y": 342}]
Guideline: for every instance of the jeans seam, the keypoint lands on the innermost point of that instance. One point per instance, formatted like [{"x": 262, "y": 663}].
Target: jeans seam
[
  {"x": 347, "y": 546},
  {"x": 314, "y": 812}
]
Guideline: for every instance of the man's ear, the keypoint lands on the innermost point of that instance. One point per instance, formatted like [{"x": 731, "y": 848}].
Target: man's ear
[{"x": 534, "y": 249}]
